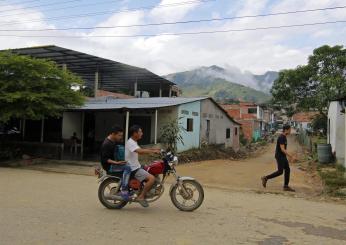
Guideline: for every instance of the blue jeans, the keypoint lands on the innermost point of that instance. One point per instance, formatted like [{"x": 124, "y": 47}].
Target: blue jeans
[{"x": 126, "y": 169}]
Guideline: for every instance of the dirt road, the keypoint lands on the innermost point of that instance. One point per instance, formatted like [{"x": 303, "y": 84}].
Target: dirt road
[
  {"x": 50, "y": 208},
  {"x": 57, "y": 208},
  {"x": 246, "y": 174}
]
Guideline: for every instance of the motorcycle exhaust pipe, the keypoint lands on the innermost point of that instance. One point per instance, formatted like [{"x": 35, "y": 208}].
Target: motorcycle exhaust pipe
[{"x": 113, "y": 197}]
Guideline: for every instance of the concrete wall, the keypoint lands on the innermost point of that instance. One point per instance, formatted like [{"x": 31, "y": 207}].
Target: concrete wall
[
  {"x": 164, "y": 116},
  {"x": 219, "y": 123},
  {"x": 336, "y": 130},
  {"x": 71, "y": 122},
  {"x": 191, "y": 139}
]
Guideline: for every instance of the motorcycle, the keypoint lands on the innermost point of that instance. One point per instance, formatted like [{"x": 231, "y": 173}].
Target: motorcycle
[{"x": 186, "y": 193}]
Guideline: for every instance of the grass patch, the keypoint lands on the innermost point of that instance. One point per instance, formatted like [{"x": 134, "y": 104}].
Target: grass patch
[{"x": 334, "y": 179}]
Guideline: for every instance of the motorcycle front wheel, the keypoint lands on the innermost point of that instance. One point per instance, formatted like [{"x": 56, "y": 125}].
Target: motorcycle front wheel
[
  {"x": 187, "y": 196},
  {"x": 109, "y": 187}
]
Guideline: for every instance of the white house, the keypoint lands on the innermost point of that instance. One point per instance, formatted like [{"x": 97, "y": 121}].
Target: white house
[{"x": 336, "y": 129}]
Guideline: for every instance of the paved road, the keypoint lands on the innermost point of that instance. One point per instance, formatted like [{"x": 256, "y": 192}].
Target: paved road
[{"x": 51, "y": 208}]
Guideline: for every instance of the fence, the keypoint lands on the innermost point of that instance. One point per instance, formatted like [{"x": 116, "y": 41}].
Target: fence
[{"x": 305, "y": 139}]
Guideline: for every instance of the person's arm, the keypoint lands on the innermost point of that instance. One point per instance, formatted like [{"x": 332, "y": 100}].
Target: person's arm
[
  {"x": 142, "y": 151},
  {"x": 110, "y": 161},
  {"x": 282, "y": 147}
]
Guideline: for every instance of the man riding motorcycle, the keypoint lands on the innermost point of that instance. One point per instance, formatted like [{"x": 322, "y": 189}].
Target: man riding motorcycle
[
  {"x": 109, "y": 161},
  {"x": 131, "y": 156}
]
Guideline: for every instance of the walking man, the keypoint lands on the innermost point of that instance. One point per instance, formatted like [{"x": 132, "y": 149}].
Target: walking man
[{"x": 281, "y": 155}]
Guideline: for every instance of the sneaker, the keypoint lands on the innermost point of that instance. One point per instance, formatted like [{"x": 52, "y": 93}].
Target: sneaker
[
  {"x": 125, "y": 195},
  {"x": 264, "y": 181},
  {"x": 143, "y": 202},
  {"x": 287, "y": 188}
]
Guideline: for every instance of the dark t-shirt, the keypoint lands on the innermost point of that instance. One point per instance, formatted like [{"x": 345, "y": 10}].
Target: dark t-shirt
[
  {"x": 282, "y": 140},
  {"x": 107, "y": 152}
]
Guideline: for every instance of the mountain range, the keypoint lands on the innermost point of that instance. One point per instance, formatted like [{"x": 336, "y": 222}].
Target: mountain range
[{"x": 225, "y": 84}]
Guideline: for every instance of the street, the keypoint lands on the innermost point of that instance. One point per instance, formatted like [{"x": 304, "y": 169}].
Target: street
[{"x": 52, "y": 208}]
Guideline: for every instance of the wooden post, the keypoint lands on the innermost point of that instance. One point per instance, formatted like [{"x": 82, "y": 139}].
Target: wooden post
[
  {"x": 135, "y": 89},
  {"x": 160, "y": 92},
  {"x": 42, "y": 130},
  {"x": 155, "y": 140},
  {"x": 82, "y": 137},
  {"x": 24, "y": 122},
  {"x": 96, "y": 83},
  {"x": 170, "y": 91},
  {"x": 127, "y": 125}
]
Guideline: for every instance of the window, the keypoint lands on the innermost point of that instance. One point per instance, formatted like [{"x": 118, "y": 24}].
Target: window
[
  {"x": 236, "y": 131},
  {"x": 205, "y": 115},
  {"x": 252, "y": 111},
  {"x": 208, "y": 125},
  {"x": 228, "y": 133},
  {"x": 217, "y": 116},
  {"x": 195, "y": 114},
  {"x": 185, "y": 112},
  {"x": 189, "y": 127},
  {"x": 211, "y": 115}
]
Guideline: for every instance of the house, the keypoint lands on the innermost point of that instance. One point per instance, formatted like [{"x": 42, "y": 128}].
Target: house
[
  {"x": 303, "y": 120},
  {"x": 124, "y": 95},
  {"x": 336, "y": 133},
  {"x": 202, "y": 119},
  {"x": 255, "y": 120}
]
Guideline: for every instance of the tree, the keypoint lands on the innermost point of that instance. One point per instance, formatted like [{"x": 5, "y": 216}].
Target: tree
[
  {"x": 312, "y": 86},
  {"x": 171, "y": 135},
  {"x": 35, "y": 88}
]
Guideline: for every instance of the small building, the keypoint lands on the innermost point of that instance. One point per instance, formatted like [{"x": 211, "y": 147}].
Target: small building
[
  {"x": 255, "y": 120},
  {"x": 302, "y": 120},
  {"x": 203, "y": 120},
  {"x": 336, "y": 133}
]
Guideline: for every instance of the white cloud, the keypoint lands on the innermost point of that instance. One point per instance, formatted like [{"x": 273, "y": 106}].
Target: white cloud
[
  {"x": 256, "y": 51},
  {"x": 172, "y": 13}
]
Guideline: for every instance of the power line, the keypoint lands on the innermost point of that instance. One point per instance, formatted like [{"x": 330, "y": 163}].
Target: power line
[
  {"x": 184, "y": 33},
  {"x": 109, "y": 12},
  {"x": 41, "y": 5},
  {"x": 70, "y": 7},
  {"x": 178, "y": 22},
  {"x": 4, "y": 4}
]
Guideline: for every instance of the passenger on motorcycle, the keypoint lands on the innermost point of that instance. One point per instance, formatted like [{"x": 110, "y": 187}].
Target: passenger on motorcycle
[
  {"x": 111, "y": 158},
  {"x": 131, "y": 156}
]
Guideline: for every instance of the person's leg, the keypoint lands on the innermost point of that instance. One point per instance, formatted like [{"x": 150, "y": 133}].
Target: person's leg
[
  {"x": 287, "y": 177},
  {"x": 116, "y": 168},
  {"x": 126, "y": 177},
  {"x": 287, "y": 173},
  {"x": 142, "y": 175},
  {"x": 273, "y": 175},
  {"x": 278, "y": 172}
]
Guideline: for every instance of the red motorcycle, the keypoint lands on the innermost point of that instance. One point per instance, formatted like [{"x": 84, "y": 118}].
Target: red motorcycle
[{"x": 186, "y": 193}]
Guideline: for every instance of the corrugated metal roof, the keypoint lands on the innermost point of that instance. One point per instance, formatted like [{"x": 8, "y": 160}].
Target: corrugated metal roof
[
  {"x": 110, "y": 103},
  {"x": 106, "y": 103}
]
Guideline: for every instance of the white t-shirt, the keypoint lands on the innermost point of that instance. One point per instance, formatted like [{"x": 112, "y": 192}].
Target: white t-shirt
[{"x": 130, "y": 155}]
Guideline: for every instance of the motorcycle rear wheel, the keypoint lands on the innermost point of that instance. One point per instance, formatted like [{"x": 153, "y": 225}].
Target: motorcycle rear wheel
[{"x": 110, "y": 185}]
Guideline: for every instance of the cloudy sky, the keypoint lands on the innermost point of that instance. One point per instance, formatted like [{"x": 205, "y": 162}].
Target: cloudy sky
[{"x": 255, "y": 51}]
